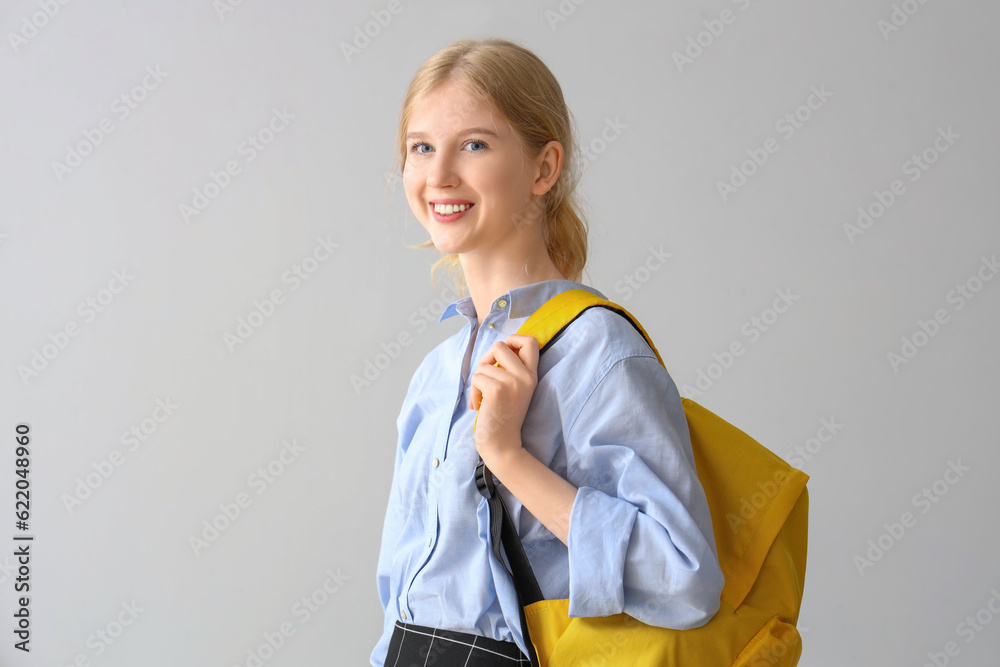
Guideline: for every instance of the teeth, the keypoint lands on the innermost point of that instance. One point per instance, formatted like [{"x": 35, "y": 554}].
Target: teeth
[{"x": 448, "y": 209}]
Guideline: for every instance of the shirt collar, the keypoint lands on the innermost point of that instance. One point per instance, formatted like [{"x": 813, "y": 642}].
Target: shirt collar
[{"x": 523, "y": 300}]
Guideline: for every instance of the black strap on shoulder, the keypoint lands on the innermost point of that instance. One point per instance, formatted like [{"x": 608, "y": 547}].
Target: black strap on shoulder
[{"x": 502, "y": 530}]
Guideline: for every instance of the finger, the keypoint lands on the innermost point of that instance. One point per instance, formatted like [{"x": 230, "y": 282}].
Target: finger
[
  {"x": 526, "y": 348},
  {"x": 482, "y": 385},
  {"x": 497, "y": 352},
  {"x": 489, "y": 357},
  {"x": 507, "y": 359},
  {"x": 488, "y": 367},
  {"x": 494, "y": 371}
]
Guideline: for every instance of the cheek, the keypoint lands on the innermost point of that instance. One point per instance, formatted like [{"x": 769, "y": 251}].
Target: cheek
[
  {"x": 419, "y": 210},
  {"x": 495, "y": 186},
  {"x": 511, "y": 182},
  {"x": 410, "y": 186}
]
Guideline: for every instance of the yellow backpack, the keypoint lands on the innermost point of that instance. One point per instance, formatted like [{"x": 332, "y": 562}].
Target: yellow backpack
[{"x": 759, "y": 506}]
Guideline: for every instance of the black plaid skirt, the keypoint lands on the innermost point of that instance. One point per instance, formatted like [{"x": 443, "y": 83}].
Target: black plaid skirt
[{"x": 418, "y": 646}]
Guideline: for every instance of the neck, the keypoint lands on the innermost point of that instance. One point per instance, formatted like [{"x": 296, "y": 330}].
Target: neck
[{"x": 488, "y": 280}]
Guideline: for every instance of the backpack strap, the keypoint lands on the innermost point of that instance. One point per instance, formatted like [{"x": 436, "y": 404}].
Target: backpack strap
[
  {"x": 503, "y": 532},
  {"x": 562, "y": 310},
  {"x": 545, "y": 324}
]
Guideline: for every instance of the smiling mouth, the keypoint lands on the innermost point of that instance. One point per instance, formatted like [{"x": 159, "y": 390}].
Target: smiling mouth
[
  {"x": 448, "y": 209},
  {"x": 449, "y": 212}
]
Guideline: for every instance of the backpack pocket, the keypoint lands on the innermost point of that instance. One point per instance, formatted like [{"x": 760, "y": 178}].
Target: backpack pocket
[{"x": 777, "y": 644}]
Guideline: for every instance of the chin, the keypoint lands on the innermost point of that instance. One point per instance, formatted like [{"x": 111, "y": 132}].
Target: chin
[
  {"x": 447, "y": 245},
  {"x": 449, "y": 249}
]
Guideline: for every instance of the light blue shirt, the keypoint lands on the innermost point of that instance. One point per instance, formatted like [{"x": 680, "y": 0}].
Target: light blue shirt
[{"x": 605, "y": 416}]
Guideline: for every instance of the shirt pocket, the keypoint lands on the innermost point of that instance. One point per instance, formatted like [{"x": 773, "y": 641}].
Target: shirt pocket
[{"x": 415, "y": 467}]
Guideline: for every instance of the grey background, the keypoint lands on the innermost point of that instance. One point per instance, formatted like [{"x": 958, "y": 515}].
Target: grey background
[{"x": 325, "y": 175}]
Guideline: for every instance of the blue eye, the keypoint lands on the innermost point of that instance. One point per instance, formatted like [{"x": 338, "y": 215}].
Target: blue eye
[{"x": 414, "y": 148}]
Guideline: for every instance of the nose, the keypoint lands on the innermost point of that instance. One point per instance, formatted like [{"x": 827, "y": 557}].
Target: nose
[{"x": 441, "y": 172}]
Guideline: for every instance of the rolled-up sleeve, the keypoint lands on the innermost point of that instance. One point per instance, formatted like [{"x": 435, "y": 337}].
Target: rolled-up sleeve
[{"x": 640, "y": 536}]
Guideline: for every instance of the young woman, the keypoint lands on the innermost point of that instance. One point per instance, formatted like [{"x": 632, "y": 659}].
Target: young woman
[{"x": 596, "y": 473}]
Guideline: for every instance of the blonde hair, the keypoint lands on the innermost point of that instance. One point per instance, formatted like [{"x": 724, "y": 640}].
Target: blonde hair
[{"x": 518, "y": 85}]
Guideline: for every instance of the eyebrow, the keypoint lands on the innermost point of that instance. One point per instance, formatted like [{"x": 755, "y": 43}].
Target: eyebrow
[{"x": 471, "y": 130}]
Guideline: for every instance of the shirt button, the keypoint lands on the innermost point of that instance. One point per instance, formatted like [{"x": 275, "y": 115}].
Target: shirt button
[
  {"x": 490, "y": 326},
  {"x": 435, "y": 463},
  {"x": 403, "y": 614},
  {"x": 502, "y": 303},
  {"x": 429, "y": 541}
]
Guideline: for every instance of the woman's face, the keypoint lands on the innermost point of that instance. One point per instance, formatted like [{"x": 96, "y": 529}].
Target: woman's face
[{"x": 459, "y": 152}]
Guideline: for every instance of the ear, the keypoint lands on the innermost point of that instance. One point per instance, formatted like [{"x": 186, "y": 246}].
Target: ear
[{"x": 548, "y": 166}]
